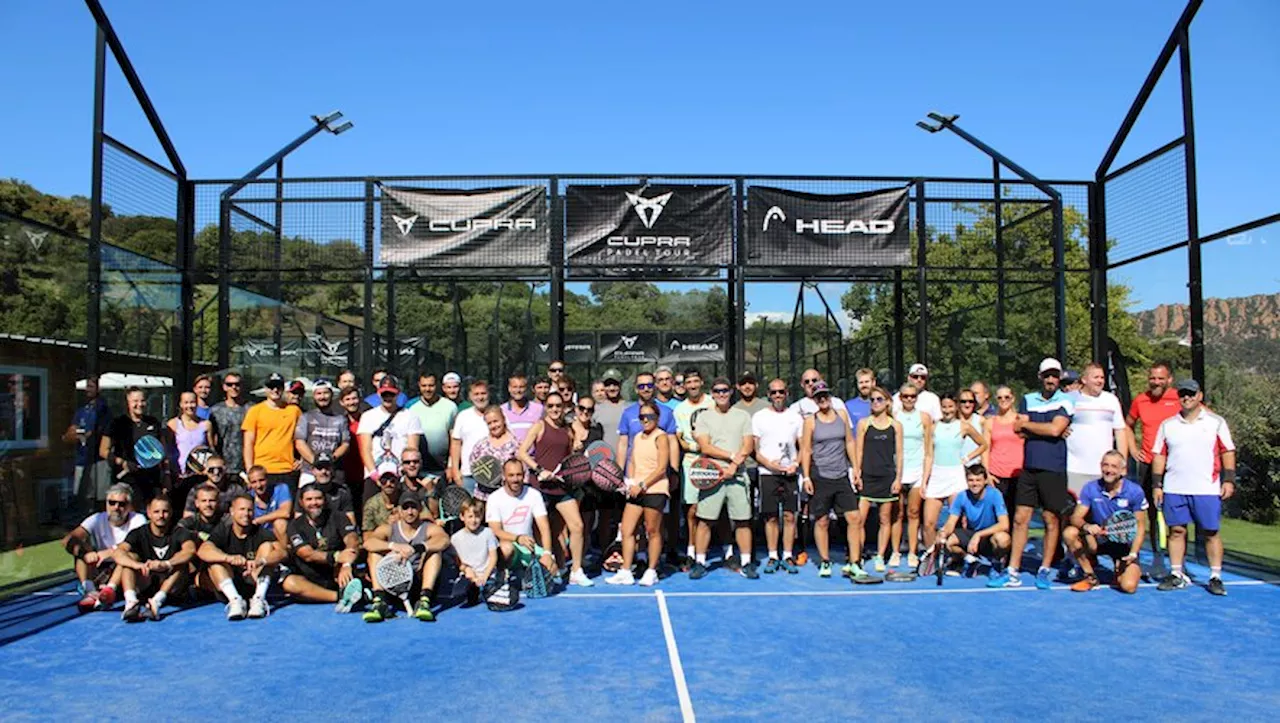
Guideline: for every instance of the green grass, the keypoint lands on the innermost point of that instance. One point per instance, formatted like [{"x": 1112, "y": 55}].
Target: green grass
[
  {"x": 1251, "y": 538},
  {"x": 33, "y": 561}
]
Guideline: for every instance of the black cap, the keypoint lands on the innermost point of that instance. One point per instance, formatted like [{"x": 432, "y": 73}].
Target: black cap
[
  {"x": 410, "y": 498},
  {"x": 274, "y": 380},
  {"x": 1188, "y": 385},
  {"x": 324, "y": 459},
  {"x": 747, "y": 377}
]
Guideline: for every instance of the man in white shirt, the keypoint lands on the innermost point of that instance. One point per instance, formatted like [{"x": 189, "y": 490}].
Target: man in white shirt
[
  {"x": 93, "y": 545},
  {"x": 468, "y": 429},
  {"x": 513, "y": 510},
  {"x": 384, "y": 433},
  {"x": 926, "y": 401},
  {"x": 806, "y": 407},
  {"x": 1096, "y": 428},
  {"x": 777, "y": 431},
  {"x": 1188, "y": 484}
]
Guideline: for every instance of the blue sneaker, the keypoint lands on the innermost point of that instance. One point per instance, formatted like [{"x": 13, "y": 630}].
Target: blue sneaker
[
  {"x": 790, "y": 566},
  {"x": 1042, "y": 578},
  {"x": 351, "y": 594},
  {"x": 698, "y": 571},
  {"x": 997, "y": 579},
  {"x": 771, "y": 566}
]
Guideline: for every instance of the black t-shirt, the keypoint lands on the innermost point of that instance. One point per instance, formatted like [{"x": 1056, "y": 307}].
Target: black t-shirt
[
  {"x": 338, "y": 499},
  {"x": 199, "y": 530},
  {"x": 224, "y": 497},
  {"x": 225, "y": 539},
  {"x": 325, "y": 536},
  {"x": 124, "y": 433},
  {"x": 150, "y": 547}
]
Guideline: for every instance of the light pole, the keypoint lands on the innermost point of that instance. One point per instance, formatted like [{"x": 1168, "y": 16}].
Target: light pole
[
  {"x": 948, "y": 122},
  {"x": 320, "y": 124}
]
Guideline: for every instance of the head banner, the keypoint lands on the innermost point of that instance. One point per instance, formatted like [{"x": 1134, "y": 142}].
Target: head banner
[
  {"x": 794, "y": 229},
  {"x": 486, "y": 227},
  {"x": 613, "y": 227},
  {"x": 679, "y": 347}
]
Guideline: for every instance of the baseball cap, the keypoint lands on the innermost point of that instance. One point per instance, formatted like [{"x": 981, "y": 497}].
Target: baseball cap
[
  {"x": 612, "y": 375},
  {"x": 388, "y": 384},
  {"x": 410, "y": 498},
  {"x": 321, "y": 384},
  {"x": 747, "y": 376},
  {"x": 451, "y": 378},
  {"x": 274, "y": 380},
  {"x": 820, "y": 387},
  {"x": 1070, "y": 376},
  {"x": 1188, "y": 385},
  {"x": 324, "y": 459},
  {"x": 1050, "y": 363},
  {"x": 388, "y": 476},
  {"x": 297, "y": 387},
  {"x": 918, "y": 368}
]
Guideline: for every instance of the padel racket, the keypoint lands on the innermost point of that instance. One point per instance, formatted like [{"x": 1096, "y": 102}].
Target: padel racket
[
  {"x": 608, "y": 476},
  {"x": 941, "y": 561},
  {"x": 597, "y": 452},
  {"x": 487, "y": 472},
  {"x": 1121, "y": 527},
  {"x": 197, "y": 459},
  {"x": 1164, "y": 530},
  {"x": 933, "y": 563},
  {"x": 148, "y": 453},
  {"x": 866, "y": 579},
  {"x": 395, "y": 575},
  {"x": 574, "y": 471},
  {"x": 705, "y": 474},
  {"x": 902, "y": 576},
  {"x": 451, "y": 499}
]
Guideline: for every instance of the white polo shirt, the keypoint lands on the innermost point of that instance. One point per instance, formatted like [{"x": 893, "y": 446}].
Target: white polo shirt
[
  {"x": 1191, "y": 452},
  {"x": 1093, "y": 431},
  {"x": 469, "y": 428}
]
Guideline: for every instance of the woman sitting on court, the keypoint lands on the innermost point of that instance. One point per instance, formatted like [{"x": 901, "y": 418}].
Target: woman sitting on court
[
  {"x": 501, "y": 444},
  {"x": 547, "y": 444},
  {"x": 944, "y": 478},
  {"x": 877, "y": 469},
  {"x": 647, "y": 496}
]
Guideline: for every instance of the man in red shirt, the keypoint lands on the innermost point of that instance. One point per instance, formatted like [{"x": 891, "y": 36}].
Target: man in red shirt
[{"x": 1150, "y": 409}]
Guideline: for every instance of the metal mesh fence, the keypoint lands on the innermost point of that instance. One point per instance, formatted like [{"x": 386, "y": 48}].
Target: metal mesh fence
[{"x": 1147, "y": 206}]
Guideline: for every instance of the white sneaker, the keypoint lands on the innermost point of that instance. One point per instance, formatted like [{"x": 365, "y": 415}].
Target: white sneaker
[
  {"x": 649, "y": 578},
  {"x": 621, "y": 577},
  {"x": 579, "y": 578},
  {"x": 258, "y": 608},
  {"x": 895, "y": 559},
  {"x": 913, "y": 561},
  {"x": 236, "y": 609}
]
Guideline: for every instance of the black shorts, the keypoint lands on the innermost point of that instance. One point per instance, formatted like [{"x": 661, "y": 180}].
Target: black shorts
[
  {"x": 321, "y": 575},
  {"x": 829, "y": 494},
  {"x": 1107, "y": 548},
  {"x": 878, "y": 488},
  {"x": 651, "y": 502},
  {"x": 776, "y": 489},
  {"x": 596, "y": 499},
  {"x": 551, "y": 499},
  {"x": 1046, "y": 489},
  {"x": 986, "y": 547}
]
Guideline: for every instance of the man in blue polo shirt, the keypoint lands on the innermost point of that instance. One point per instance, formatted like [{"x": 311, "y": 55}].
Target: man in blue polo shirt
[
  {"x": 978, "y": 523},
  {"x": 1086, "y": 534},
  {"x": 860, "y": 406},
  {"x": 1043, "y": 419}
]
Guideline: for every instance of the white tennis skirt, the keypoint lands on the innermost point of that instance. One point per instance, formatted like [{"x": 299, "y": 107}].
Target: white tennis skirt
[{"x": 944, "y": 482}]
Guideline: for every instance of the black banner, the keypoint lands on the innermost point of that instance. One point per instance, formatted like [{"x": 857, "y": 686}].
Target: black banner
[
  {"x": 790, "y": 228},
  {"x": 487, "y": 227},
  {"x": 634, "y": 348},
  {"x": 1118, "y": 374},
  {"x": 652, "y": 225},
  {"x": 693, "y": 346},
  {"x": 579, "y": 348}
]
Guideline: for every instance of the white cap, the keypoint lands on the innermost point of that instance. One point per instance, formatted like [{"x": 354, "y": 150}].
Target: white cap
[
  {"x": 1050, "y": 363},
  {"x": 451, "y": 378},
  {"x": 918, "y": 368}
]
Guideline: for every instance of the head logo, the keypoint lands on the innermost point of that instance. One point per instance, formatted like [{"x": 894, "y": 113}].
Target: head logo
[
  {"x": 648, "y": 209},
  {"x": 774, "y": 213},
  {"x": 629, "y": 341},
  {"x": 675, "y": 344},
  {"x": 405, "y": 224}
]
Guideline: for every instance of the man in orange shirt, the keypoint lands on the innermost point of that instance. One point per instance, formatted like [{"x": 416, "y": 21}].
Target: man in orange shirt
[
  {"x": 268, "y": 436},
  {"x": 1151, "y": 408}
]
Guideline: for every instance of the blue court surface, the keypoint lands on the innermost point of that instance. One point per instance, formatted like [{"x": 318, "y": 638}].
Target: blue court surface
[{"x": 790, "y": 646}]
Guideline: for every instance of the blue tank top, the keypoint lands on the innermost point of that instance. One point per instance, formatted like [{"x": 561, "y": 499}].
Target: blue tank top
[
  {"x": 947, "y": 444},
  {"x": 912, "y": 438}
]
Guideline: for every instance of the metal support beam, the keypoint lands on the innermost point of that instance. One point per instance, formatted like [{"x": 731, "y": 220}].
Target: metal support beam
[
  {"x": 1195, "y": 271},
  {"x": 899, "y": 332},
  {"x": 366, "y": 339},
  {"x": 922, "y": 294},
  {"x": 277, "y": 258},
  {"x": 184, "y": 355},
  {"x": 93, "y": 317},
  {"x": 735, "y": 342},
  {"x": 557, "y": 271},
  {"x": 393, "y": 346},
  {"x": 1099, "y": 306},
  {"x": 1000, "y": 259}
]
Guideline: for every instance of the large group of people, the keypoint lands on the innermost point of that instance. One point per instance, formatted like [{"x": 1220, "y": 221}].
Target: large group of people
[{"x": 249, "y": 496}]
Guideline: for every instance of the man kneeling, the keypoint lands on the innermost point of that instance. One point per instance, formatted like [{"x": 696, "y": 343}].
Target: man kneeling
[
  {"x": 241, "y": 559},
  {"x": 324, "y": 548},
  {"x": 155, "y": 558},
  {"x": 978, "y": 523},
  {"x": 1086, "y": 535},
  {"x": 409, "y": 538}
]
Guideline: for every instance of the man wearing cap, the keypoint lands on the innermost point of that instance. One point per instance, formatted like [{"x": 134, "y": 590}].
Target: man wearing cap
[
  {"x": 926, "y": 401},
  {"x": 384, "y": 433},
  {"x": 323, "y": 551},
  {"x": 322, "y": 430},
  {"x": 293, "y": 393},
  {"x": 374, "y": 399},
  {"x": 1193, "y": 469},
  {"x": 750, "y": 403},
  {"x": 382, "y": 507},
  {"x": 723, "y": 433},
  {"x": 806, "y": 406},
  {"x": 435, "y": 415},
  {"x": 336, "y": 496},
  {"x": 520, "y": 413},
  {"x": 269, "y": 429},
  {"x": 411, "y": 538},
  {"x": 860, "y": 406},
  {"x": 451, "y": 387},
  {"x": 665, "y": 393},
  {"x": 1043, "y": 420},
  {"x": 1097, "y": 427},
  {"x": 685, "y": 413},
  {"x": 1071, "y": 381}
]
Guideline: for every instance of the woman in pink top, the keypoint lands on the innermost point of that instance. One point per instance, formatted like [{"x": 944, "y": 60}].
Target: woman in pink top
[
  {"x": 501, "y": 444},
  {"x": 186, "y": 432},
  {"x": 1003, "y": 458}
]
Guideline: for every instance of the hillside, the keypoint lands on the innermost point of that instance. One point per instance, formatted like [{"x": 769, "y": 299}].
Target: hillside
[{"x": 1242, "y": 331}]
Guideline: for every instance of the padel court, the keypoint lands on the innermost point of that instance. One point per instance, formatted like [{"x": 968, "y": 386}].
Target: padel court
[{"x": 721, "y": 648}]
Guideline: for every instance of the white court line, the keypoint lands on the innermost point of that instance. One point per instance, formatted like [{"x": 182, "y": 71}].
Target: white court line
[
  {"x": 51, "y": 594},
  {"x": 677, "y": 670},
  {"x": 932, "y": 590}
]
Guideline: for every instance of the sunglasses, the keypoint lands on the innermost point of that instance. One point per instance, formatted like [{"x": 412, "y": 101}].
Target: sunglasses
[
  {"x": 777, "y": 392},
  {"x": 211, "y": 470},
  {"x": 722, "y": 390},
  {"x": 556, "y": 369},
  {"x": 648, "y": 417},
  {"x": 967, "y": 401},
  {"x": 117, "y": 503},
  {"x": 878, "y": 400},
  {"x": 648, "y": 385},
  {"x": 410, "y": 461},
  {"x": 919, "y": 376},
  {"x": 808, "y": 381},
  {"x": 586, "y": 410},
  {"x": 231, "y": 384},
  {"x": 906, "y": 396},
  {"x": 1184, "y": 394},
  {"x": 1052, "y": 373},
  {"x": 554, "y": 406}
]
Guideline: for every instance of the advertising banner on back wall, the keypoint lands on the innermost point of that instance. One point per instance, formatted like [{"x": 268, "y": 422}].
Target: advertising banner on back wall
[
  {"x": 640, "y": 347},
  {"x": 693, "y": 346},
  {"x": 579, "y": 348},
  {"x": 651, "y": 225},
  {"x": 790, "y": 228},
  {"x": 487, "y": 227}
]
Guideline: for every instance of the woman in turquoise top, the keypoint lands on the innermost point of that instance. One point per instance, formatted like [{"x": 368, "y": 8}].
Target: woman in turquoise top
[
  {"x": 917, "y": 453},
  {"x": 944, "y": 476}
]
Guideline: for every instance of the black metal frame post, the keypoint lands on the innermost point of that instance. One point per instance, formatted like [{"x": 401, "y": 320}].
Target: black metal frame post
[
  {"x": 1195, "y": 275},
  {"x": 93, "y": 318},
  {"x": 366, "y": 339},
  {"x": 277, "y": 260},
  {"x": 1000, "y": 259},
  {"x": 899, "y": 333},
  {"x": 735, "y": 343},
  {"x": 557, "y": 270},
  {"x": 1100, "y": 306},
  {"x": 184, "y": 354},
  {"x": 922, "y": 323},
  {"x": 392, "y": 346}
]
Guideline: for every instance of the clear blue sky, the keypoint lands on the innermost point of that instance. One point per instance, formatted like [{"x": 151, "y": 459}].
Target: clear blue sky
[{"x": 746, "y": 87}]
